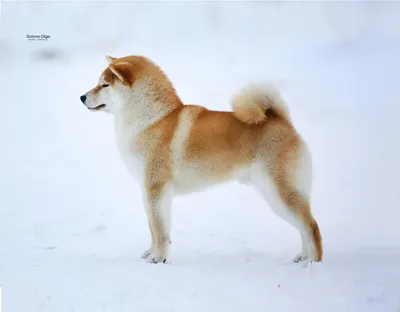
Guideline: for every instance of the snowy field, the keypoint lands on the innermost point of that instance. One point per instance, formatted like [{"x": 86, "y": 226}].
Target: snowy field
[{"x": 72, "y": 226}]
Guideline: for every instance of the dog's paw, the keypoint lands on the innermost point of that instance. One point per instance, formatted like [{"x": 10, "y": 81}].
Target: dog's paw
[
  {"x": 300, "y": 257},
  {"x": 147, "y": 253},
  {"x": 156, "y": 258}
]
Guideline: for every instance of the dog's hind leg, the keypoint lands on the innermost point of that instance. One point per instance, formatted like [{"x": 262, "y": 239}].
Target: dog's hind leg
[
  {"x": 286, "y": 185},
  {"x": 292, "y": 207}
]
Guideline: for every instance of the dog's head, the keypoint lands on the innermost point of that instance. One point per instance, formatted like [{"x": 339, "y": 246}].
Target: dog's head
[
  {"x": 135, "y": 83},
  {"x": 114, "y": 85}
]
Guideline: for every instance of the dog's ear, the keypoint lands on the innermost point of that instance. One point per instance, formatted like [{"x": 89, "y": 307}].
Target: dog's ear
[
  {"x": 123, "y": 71},
  {"x": 110, "y": 59}
]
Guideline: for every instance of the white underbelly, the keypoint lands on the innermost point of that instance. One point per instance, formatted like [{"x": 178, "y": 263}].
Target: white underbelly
[{"x": 191, "y": 180}]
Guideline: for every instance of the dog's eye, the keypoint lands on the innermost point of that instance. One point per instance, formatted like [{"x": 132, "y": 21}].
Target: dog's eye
[{"x": 105, "y": 85}]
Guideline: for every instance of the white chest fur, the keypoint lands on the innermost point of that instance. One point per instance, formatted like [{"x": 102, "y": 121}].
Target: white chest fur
[{"x": 125, "y": 136}]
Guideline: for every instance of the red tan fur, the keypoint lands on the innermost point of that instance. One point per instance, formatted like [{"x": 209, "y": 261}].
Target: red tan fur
[{"x": 172, "y": 148}]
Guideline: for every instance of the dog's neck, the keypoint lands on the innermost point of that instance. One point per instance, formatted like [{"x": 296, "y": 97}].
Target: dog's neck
[{"x": 144, "y": 106}]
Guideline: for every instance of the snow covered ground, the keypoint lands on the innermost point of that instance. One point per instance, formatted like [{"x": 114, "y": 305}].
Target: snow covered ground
[{"x": 72, "y": 226}]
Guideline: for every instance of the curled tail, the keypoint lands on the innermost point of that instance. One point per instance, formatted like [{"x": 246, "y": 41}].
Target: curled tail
[{"x": 251, "y": 104}]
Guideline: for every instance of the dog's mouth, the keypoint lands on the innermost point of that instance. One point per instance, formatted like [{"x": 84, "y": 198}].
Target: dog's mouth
[{"x": 97, "y": 107}]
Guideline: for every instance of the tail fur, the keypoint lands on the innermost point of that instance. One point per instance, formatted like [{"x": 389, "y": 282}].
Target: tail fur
[{"x": 251, "y": 104}]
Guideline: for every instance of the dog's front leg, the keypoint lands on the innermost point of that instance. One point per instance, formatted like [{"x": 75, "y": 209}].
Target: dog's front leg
[
  {"x": 147, "y": 252},
  {"x": 158, "y": 207}
]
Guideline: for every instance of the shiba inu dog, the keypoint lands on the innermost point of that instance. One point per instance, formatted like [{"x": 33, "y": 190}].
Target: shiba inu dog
[{"x": 173, "y": 149}]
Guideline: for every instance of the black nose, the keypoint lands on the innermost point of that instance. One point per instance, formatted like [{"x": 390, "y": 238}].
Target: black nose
[{"x": 83, "y": 98}]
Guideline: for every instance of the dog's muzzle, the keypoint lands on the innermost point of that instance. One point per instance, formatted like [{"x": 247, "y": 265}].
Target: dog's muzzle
[{"x": 83, "y": 99}]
